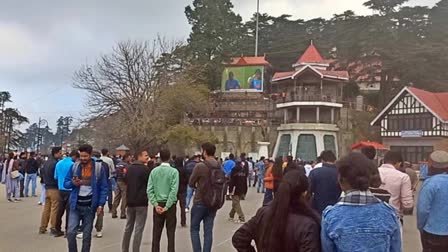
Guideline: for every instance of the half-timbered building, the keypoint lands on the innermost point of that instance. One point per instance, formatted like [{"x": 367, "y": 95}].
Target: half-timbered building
[{"x": 415, "y": 123}]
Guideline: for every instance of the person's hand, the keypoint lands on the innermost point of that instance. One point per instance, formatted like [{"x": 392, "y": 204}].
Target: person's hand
[
  {"x": 160, "y": 209},
  {"x": 77, "y": 181},
  {"x": 100, "y": 211}
]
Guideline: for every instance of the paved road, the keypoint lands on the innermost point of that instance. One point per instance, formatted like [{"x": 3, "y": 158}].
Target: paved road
[{"x": 19, "y": 223}]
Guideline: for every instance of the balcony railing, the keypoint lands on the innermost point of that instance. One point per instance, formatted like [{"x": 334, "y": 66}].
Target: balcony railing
[{"x": 283, "y": 98}]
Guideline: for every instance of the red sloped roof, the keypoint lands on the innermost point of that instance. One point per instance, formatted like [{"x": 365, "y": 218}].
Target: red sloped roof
[
  {"x": 249, "y": 61},
  {"x": 436, "y": 102},
  {"x": 337, "y": 74},
  {"x": 311, "y": 55},
  {"x": 361, "y": 144},
  {"x": 282, "y": 75}
]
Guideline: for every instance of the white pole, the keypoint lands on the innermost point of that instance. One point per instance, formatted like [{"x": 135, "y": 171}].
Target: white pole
[{"x": 256, "y": 29}]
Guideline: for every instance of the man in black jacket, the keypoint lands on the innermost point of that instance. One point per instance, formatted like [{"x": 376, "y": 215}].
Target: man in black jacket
[
  {"x": 137, "y": 201},
  {"x": 182, "y": 190},
  {"x": 31, "y": 168},
  {"x": 50, "y": 211},
  {"x": 237, "y": 188}
]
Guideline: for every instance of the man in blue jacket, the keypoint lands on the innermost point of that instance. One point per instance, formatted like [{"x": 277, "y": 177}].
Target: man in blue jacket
[
  {"x": 432, "y": 209},
  {"x": 89, "y": 183}
]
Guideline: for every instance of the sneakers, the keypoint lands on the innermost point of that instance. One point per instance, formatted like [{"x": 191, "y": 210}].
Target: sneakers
[
  {"x": 42, "y": 231},
  {"x": 231, "y": 219},
  {"x": 79, "y": 236},
  {"x": 17, "y": 200},
  {"x": 99, "y": 234},
  {"x": 123, "y": 217},
  {"x": 114, "y": 216},
  {"x": 240, "y": 221},
  {"x": 187, "y": 210},
  {"x": 10, "y": 200}
]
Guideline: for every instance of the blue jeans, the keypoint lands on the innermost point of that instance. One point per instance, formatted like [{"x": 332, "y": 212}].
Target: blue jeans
[
  {"x": 86, "y": 215},
  {"x": 30, "y": 178},
  {"x": 201, "y": 213},
  {"x": 190, "y": 191},
  {"x": 42, "y": 195},
  {"x": 260, "y": 184},
  {"x": 268, "y": 197}
]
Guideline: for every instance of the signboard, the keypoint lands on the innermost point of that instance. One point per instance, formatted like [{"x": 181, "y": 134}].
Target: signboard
[
  {"x": 411, "y": 133},
  {"x": 242, "y": 79}
]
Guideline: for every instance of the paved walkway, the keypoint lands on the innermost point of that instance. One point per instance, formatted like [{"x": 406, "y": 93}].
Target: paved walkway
[{"x": 19, "y": 224}]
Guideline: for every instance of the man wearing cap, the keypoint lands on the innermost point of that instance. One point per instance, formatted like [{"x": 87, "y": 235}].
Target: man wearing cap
[{"x": 432, "y": 207}]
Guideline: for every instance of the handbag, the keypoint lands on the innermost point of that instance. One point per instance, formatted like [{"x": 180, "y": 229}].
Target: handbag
[{"x": 15, "y": 174}]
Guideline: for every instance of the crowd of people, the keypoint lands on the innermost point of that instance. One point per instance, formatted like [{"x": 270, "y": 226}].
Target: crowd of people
[{"x": 343, "y": 205}]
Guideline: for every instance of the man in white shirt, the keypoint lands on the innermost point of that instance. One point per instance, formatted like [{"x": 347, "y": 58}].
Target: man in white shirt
[{"x": 397, "y": 183}]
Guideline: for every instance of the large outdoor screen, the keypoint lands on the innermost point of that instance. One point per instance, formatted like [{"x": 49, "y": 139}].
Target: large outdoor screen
[{"x": 246, "y": 78}]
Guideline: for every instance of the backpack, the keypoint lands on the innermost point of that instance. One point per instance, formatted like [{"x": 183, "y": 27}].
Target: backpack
[
  {"x": 215, "y": 189},
  {"x": 98, "y": 168},
  {"x": 121, "y": 170}
]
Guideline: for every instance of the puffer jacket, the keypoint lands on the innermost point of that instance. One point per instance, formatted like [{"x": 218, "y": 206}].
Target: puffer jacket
[{"x": 302, "y": 233}]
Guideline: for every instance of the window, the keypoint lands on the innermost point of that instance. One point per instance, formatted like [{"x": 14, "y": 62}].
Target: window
[
  {"x": 306, "y": 147},
  {"x": 413, "y": 154},
  {"x": 284, "y": 145},
  {"x": 330, "y": 143},
  {"x": 410, "y": 122}
]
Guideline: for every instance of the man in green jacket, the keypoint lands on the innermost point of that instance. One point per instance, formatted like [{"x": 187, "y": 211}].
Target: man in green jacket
[{"x": 163, "y": 184}]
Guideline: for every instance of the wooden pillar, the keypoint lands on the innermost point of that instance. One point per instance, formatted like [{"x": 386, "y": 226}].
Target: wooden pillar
[
  {"x": 317, "y": 114},
  {"x": 332, "y": 115},
  {"x": 298, "y": 115}
]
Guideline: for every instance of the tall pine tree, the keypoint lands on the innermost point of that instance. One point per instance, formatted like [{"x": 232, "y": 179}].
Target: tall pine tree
[{"x": 216, "y": 36}]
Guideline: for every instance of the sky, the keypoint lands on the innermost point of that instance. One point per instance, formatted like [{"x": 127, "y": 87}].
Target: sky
[{"x": 42, "y": 43}]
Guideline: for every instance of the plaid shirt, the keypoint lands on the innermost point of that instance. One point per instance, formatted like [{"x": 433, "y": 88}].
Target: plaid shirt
[{"x": 358, "y": 198}]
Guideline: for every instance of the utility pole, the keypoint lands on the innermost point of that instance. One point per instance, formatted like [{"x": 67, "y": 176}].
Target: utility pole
[{"x": 256, "y": 29}]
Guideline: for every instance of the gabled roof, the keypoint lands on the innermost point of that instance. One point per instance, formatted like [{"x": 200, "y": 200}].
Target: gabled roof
[
  {"x": 436, "y": 103},
  {"x": 311, "y": 55},
  {"x": 338, "y": 75},
  {"x": 249, "y": 61}
]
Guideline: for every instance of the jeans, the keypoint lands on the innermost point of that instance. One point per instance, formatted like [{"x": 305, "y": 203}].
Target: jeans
[
  {"x": 200, "y": 213},
  {"x": 136, "y": 216},
  {"x": 31, "y": 178},
  {"x": 268, "y": 197},
  {"x": 260, "y": 184},
  {"x": 42, "y": 194},
  {"x": 190, "y": 191},
  {"x": 64, "y": 207},
  {"x": 85, "y": 214}
]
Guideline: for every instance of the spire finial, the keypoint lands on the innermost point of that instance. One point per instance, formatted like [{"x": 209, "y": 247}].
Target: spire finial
[{"x": 312, "y": 43}]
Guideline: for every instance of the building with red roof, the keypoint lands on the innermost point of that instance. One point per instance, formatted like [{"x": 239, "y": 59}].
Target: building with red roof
[
  {"x": 415, "y": 122},
  {"x": 310, "y": 99}
]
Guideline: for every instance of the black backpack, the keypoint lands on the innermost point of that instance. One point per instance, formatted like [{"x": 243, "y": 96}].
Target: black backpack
[{"x": 215, "y": 189}]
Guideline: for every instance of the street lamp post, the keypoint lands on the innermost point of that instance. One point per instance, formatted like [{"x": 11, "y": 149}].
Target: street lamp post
[{"x": 41, "y": 121}]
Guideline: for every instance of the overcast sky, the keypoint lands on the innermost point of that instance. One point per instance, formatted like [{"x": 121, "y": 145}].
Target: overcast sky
[{"x": 43, "y": 42}]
